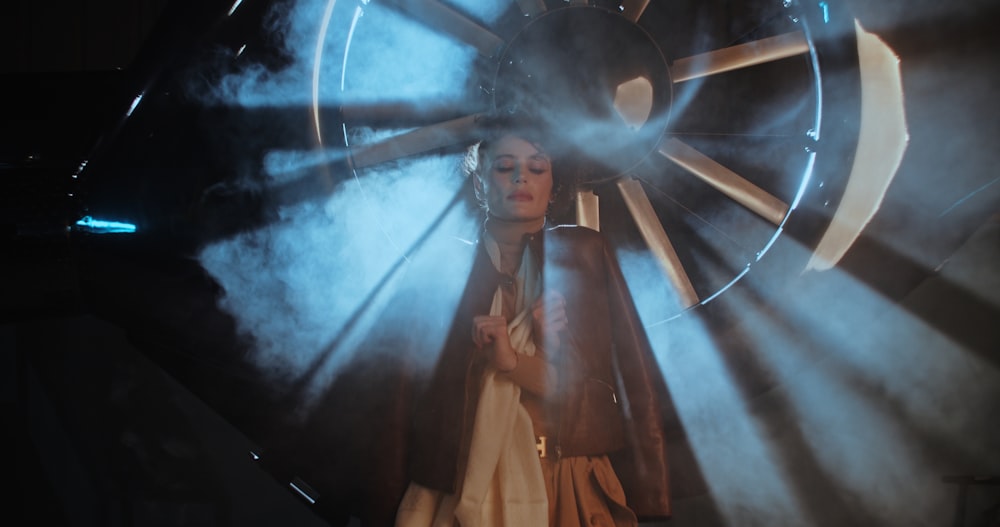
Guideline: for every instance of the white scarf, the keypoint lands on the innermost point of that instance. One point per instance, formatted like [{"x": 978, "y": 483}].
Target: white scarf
[{"x": 503, "y": 484}]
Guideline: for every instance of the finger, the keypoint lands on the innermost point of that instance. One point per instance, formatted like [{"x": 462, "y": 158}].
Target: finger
[
  {"x": 556, "y": 321},
  {"x": 480, "y": 320},
  {"x": 558, "y": 325},
  {"x": 550, "y": 296},
  {"x": 479, "y": 325},
  {"x": 554, "y": 297},
  {"x": 488, "y": 320},
  {"x": 552, "y": 302},
  {"x": 492, "y": 330},
  {"x": 554, "y": 309},
  {"x": 556, "y": 315}
]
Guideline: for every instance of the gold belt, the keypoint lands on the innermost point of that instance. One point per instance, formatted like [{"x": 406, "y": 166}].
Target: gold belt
[{"x": 545, "y": 449}]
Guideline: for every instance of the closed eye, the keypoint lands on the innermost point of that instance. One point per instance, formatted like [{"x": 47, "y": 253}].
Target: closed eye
[
  {"x": 538, "y": 167},
  {"x": 504, "y": 166}
]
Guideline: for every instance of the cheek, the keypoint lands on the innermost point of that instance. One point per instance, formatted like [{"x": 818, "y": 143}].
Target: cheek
[
  {"x": 492, "y": 190},
  {"x": 497, "y": 183}
]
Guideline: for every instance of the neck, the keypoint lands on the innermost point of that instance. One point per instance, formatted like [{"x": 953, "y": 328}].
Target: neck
[{"x": 508, "y": 231}]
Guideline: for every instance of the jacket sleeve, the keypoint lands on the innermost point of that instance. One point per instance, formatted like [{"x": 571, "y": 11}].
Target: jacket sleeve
[{"x": 642, "y": 467}]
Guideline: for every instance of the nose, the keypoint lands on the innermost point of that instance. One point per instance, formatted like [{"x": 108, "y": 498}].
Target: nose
[{"x": 521, "y": 174}]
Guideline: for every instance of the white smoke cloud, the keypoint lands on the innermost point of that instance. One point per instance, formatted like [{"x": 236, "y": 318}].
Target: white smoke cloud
[{"x": 295, "y": 285}]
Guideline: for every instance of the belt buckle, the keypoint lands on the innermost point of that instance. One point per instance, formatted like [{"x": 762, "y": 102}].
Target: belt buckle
[{"x": 541, "y": 444}]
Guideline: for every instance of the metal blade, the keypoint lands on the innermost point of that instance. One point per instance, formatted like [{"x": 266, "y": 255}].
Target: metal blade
[
  {"x": 404, "y": 113},
  {"x": 739, "y": 56},
  {"x": 532, "y": 7},
  {"x": 724, "y": 180},
  {"x": 415, "y": 141},
  {"x": 588, "y": 209},
  {"x": 633, "y": 9},
  {"x": 657, "y": 240}
]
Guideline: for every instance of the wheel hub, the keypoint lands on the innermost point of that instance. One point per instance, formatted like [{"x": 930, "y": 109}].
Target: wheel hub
[{"x": 595, "y": 79}]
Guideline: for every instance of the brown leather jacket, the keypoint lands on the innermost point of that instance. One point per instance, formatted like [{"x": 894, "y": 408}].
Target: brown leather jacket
[{"x": 609, "y": 382}]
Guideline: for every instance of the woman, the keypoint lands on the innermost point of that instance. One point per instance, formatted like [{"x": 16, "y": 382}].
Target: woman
[{"x": 545, "y": 376}]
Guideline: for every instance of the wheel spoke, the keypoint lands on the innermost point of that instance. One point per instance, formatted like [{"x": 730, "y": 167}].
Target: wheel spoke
[
  {"x": 532, "y": 7},
  {"x": 724, "y": 180},
  {"x": 440, "y": 17},
  {"x": 416, "y": 141},
  {"x": 633, "y": 9},
  {"x": 402, "y": 112},
  {"x": 740, "y": 56},
  {"x": 656, "y": 238},
  {"x": 588, "y": 209}
]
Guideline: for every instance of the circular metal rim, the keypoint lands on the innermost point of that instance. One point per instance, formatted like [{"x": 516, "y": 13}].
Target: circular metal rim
[{"x": 818, "y": 193}]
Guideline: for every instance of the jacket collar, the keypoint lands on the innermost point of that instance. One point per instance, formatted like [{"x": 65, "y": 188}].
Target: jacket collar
[{"x": 535, "y": 242}]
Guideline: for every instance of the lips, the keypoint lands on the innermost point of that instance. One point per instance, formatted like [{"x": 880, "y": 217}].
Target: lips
[{"x": 519, "y": 196}]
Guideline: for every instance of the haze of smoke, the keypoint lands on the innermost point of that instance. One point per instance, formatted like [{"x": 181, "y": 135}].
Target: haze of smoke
[
  {"x": 850, "y": 417},
  {"x": 293, "y": 284},
  {"x": 737, "y": 458},
  {"x": 393, "y": 58},
  {"x": 874, "y": 405}
]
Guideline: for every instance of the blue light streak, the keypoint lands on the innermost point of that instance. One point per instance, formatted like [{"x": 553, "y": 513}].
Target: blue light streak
[
  {"x": 135, "y": 104},
  {"x": 300, "y": 487},
  {"x": 806, "y": 180},
  {"x": 347, "y": 46},
  {"x": 317, "y": 62},
  {"x": 89, "y": 224},
  {"x": 79, "y": 170},
  {"x": 968, "y": 196}
]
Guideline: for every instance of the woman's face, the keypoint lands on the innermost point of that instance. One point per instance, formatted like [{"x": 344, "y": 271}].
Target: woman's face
[{"x": 517, "y": 180}]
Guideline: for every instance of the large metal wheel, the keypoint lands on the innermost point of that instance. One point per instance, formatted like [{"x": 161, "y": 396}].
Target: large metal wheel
[{"x": 707, "y": 129}]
